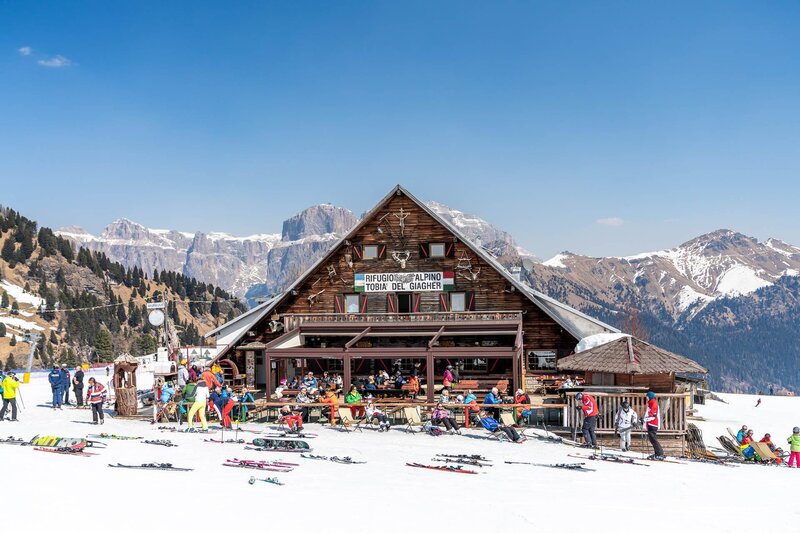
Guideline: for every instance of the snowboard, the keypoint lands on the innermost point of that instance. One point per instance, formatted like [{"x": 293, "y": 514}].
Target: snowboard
[{"x": 282, "y": 444}]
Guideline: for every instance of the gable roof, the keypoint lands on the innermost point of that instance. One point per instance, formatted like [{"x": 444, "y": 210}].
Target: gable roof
[
  {"x": 573, "y": 321},
  {"x": 629, "y": 355}
]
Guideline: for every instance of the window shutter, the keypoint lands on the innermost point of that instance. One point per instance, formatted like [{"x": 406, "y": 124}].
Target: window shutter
[
  {"x": 358, "y": 252},
  {"x": 470, "y": 301},
  {"x": 443, "y": 302},
  {"x": 450, "y": 249},
  {"x": 391, "y": 303},
  {"x": 362, "y": 304},
  {"x": 424, "y": 250},
  {"x": 338, "y": 303},
  {"x": 381, "y": 251},
  {"x": 417, "y": 298}
]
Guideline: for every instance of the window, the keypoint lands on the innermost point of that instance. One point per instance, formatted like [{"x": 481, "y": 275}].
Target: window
[
  {"x": 370, "y": 252},
  {"x": 541, "y": 360},
  {"x": 437, "y": 249},
  {"x": 476, "y": 364},
  {"x": 351, "y": 303},
  {"x": 458, "y": 301},
  {"x": 404, "y": 302}
]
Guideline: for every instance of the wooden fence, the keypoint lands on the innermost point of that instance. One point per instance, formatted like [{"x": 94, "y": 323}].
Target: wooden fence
[{"x": 672, "y": 408}]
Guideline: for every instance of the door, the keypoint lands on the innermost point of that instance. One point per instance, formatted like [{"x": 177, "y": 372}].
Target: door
[{"x": 404, "y": 302}]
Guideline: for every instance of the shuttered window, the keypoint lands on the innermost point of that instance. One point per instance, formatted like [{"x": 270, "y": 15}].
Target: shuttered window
[
  {"x": 370, "y": 251},
  {"x": 352, "y": 302},
  {"x": 458, "y": 301},
  {"x": 437, "y": 249}
]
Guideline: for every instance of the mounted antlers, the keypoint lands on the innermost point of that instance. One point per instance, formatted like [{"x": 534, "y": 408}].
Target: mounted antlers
[{"x": 401, "y": 257}]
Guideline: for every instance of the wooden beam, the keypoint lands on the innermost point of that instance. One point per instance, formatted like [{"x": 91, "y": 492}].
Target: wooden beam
[
  {"x": 430, "y": 380},
  {"x": 356, "y": 338},
  {"x": 436, "y": 337},
  {"x": 268, "y": 385},
  {"x": 348, "y": 379}
]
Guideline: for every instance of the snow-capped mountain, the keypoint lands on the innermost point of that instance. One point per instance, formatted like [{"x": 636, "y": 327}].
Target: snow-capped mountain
[{"x": 680, "y": 281}]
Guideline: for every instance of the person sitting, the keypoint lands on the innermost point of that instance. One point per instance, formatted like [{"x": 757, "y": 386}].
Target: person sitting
[
  {"x": 492, "y": 425},
  {"x": 373, "y": 413},
  {"x": 292, "y": 419},
  {"x": 310, "y": 381},
  {"x": 295, "y": 384},
  {"x": 493, "y": 398},
  {"x": 445, "y": 397},
  {"x": 414, "y": 383},
  {"x": 338, "y": 381},
  {"x": 747, "y": 438},
  {"x": 767, "y": 439},
  {"x": 245, "y": 399},
  {"x": 440, "y": 415},
  {"x": 398, "y": 380},
  {"x": 332, "y": 400},
  {"x": 167, "y": 392},
  {"x": 353, "y": 399},
  {"x": 471, "y": 401},
  {"x": 282, "y": 386},
  {"x": 326, "y": 380},
  {"x": 382, "y": 377},
  {"x": 741, "y": 434},
  {"x": 370, "y": 385},
  {"x": 523, "y": 413},
  {"x": 303, "y": 398}
]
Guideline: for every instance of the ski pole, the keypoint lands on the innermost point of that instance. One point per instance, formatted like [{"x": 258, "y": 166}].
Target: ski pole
[{"x": 22, "y": 402}]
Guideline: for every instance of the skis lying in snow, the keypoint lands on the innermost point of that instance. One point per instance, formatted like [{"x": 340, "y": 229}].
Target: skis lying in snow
[
  {"x": 64, "y": 451},
  {"x": 609, "y": 458},
  {"x": 226, "y": 441},
  {"x": 272, "y": 480},
  {"x": 52, "y": 441},
  {"x": 153, "y": 466},
  {"x": 16, "y": 442},
  {"x": 282, "y": 445},
  {"x": 111, "y": 436},
  {"x": 468, "y": 462},
  {"x": 650, "y": 458},
  {"x": 341, "y": 460},
  {"x": 473, "y": 457},
  {"x": 578, "y": 467},
  {"x": 290, "y": 435},
  {"x": 258, "y": 465},
  {"x": 455, "y": 469},
  {"x": 187, "y": 430},
  {"x": 167, "y": 443},
  {"x": 233, "y": 430}
]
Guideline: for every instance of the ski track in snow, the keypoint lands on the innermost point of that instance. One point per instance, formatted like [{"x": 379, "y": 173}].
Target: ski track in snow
[{"x": 383, "y": 495}]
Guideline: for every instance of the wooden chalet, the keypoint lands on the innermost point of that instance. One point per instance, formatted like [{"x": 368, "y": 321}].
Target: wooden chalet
[{"x": 405, "y": 285}]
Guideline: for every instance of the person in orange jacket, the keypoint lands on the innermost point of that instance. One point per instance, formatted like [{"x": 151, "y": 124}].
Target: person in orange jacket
[
  {"x": 523, "y": 413},
  {"x": 210, "y": 379},
  {"x": 589, "y": 407},
  {"x": 333, "y": 404},
  {"x": 767, "y": 439}
]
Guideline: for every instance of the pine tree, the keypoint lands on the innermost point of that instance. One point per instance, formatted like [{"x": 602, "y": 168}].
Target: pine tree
[
  {"x": 104, "y": 346},
  {"x": 53, "y": 339},
  {"x": 10, "y": 363},
  {"x": 13, "y": 340},
  {"x": 8, "y": 252},
  {"x": 4, "y": 300},
  {"x": 14, "y": 307},
  {"x": 2, "y": 329}
]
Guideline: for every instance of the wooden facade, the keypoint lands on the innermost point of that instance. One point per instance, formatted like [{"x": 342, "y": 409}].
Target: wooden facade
[{"x": 323, "y": 321}]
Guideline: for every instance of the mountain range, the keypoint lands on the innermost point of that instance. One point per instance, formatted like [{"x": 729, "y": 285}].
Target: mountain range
[{"x": 723, "y": 298}]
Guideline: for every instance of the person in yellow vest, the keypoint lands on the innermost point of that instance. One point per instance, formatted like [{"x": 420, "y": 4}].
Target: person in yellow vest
[{"x": 10, "y": 386}]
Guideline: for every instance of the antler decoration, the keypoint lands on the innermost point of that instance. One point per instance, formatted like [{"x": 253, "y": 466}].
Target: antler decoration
[
  {"x": 312, "y": 298},
  {"x": 473, "y": 274},
  {"x": 401, "y": 257}
]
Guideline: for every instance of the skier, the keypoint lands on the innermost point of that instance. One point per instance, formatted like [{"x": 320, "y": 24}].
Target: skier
[
  {"x": 758, "y": 402},
  {"x": 183, "y": 374},
  {"x": 652, "y": 421},
  {"x": 493, "y": 398},
  {"x": 292, "y": 419},
  {"x": 590, "y": 412},
  {"x": 77, "y": 386},
  {"x": 95, "y": 396},
  {"x": 10, "y": 385},
  {"x": 488, "y": 422},
  {"x": 794, "y": 447},
  {"x": 625, "y": 420},
  {"x": 447, "y": 377},
  {"x": 440, "y": 415},
  {"x": 199, "y": 405},
  {"x": 218, "y": 401},
  {"x": 65, "y": 382},
  {"x": 54, "y": 377},
  {"x": 374, "y": 413}
]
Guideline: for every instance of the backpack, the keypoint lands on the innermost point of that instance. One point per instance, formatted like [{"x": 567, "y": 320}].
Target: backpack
[{"x": 432, "y": 430}]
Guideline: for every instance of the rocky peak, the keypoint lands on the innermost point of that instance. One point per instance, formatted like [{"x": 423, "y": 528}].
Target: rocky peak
[{"x": 318, "y": 220}]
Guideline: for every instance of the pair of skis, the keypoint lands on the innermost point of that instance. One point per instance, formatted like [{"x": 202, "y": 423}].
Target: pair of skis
[
  {"x": 272, "y": 480},
  {"x": 167, "y": 443},
  {"x": 226, "y": 441},
  {"x": 112, "y": 436},
  {"x": 467, "y": 462},
  {"x": 455, "y": 469},
  {"x": 341, "y": 460},
  {"x": 275, "y": 466},
  {"x": 608, "y": 458},
  {"x": 577, "y": 467},
  {"x": 64, "y": 451},
  {"x": 152, "y": 466}
]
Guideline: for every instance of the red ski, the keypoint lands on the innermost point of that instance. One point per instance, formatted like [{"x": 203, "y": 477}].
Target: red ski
[
  {"x": 455, "y": 469},
  {"x": 64, "y": 451}
]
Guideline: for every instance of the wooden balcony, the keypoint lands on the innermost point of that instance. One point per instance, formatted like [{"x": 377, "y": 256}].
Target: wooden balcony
[{"x": 485, "y": 318}]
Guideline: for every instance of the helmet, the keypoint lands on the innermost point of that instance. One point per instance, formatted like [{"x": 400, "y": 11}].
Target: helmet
[
  {"x": 579, "y": 396},
  {"x": 626, "y": 405},
  {"x": 796, "y": 430},
  {"x": 651, "y": 395},
  {"x": 183, "y": 361}
]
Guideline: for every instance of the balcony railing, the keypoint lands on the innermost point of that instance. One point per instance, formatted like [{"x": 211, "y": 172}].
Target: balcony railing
[{"x": 295, "y": 320}]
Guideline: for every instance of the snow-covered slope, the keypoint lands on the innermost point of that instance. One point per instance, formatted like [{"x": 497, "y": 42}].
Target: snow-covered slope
[{"x": 384, "y": 493}]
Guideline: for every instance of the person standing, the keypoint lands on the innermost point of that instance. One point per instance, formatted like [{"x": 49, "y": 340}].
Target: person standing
[
  {"x": 95, "y": 396},
  {"x": 652, "y": 422},
  {"x": 447, "y": 377},
  {"x": 794, "y": 448},
  {"x": 77, "y": 386},
  {"x": 183, "y": 375},
  {"x": 589, "y": 407},
  {"x": 199, "y": 405},
  {"x": 54, "y": 377},
  {"x": 625, "y": 420},
  {"x": 10, "y": 385},
  {"x": 66, "y": 381}
]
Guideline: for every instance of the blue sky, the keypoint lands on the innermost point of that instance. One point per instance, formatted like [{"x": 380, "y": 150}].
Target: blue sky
[{"x": 603, "y": 128}]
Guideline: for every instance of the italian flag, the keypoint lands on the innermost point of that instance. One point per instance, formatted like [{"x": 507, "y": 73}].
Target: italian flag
[{"x": 448, "y": 281}]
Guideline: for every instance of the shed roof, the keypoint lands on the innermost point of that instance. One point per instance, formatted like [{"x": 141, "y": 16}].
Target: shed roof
[{"x": 629, "y": 355}]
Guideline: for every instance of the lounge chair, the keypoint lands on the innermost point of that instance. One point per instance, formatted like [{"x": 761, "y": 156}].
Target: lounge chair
[
  {"x": 413, "y": 418},
  {"x": 507, "y": 419},
  {"x": 346, "y": 416}
]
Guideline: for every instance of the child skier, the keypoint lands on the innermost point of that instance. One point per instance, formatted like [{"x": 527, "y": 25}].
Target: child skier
[
  {"x": 625, "y": 420},
  {"x": 794, "y": 447}
]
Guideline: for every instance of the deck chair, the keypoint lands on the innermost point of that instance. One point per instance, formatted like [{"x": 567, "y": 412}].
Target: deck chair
[
  {"x": 763, "y": 452},
  {"x": 346, "y": 416},
  {"x": 413, "y": 419},
  {"x": 507, "y": 419}
]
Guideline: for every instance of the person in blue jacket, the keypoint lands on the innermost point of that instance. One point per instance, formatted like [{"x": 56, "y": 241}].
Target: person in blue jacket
[
  {"x": 493, "y": 398},
  {"x": 54, "y": 377},
  {"x": 218, "y": 400},
  {"x": 245, "y": 398},
  {"x": 65, "y": 380},
  {"x": 167, "y": 392},
  {"x": 494, "y": 426}
]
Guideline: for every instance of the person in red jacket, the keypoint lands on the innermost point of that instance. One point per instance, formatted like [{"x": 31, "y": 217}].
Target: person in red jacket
[
  {"x": 95, "y": 397},
  {"x": 210, "y": 379},
  {"x": 589, "y": 407},
  {"x": 652, "y": 422}
]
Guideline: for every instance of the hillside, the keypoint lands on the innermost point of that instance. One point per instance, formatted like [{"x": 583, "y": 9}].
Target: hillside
[{"x": 85, "y": 306}]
